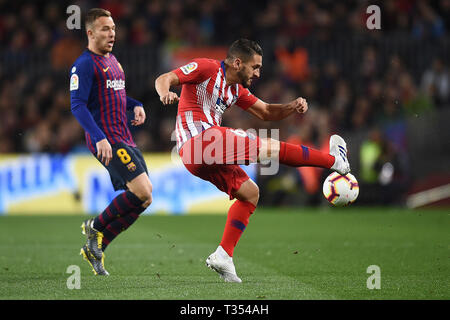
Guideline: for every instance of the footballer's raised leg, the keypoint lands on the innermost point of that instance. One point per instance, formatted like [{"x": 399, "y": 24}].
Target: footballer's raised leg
[
  {"x": 338, "y": 148},
  {"x": 298, "y": 155}
]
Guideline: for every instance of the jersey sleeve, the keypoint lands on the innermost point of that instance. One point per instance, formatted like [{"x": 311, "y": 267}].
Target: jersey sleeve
[
  {"x": 131, "y": 103},
  {"x": 196, "y": 71},
  {"x": 245, "y": 98},
  {"x": 81, "y": 80}
]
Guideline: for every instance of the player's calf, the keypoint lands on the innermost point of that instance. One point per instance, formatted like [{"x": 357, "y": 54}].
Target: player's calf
[
  {"x": 120, "y": 214},
  {"x": 239, "y": 214},
  {"x": 293, "y": 155},
  {"x": 134, "y": 206},
  {"x": 248, "y": 192}
]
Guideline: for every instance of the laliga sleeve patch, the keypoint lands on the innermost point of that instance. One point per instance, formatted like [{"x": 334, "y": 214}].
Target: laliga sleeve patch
[
  {"x": 189, "y": 68},
  {"x": 74, "y": 82}
]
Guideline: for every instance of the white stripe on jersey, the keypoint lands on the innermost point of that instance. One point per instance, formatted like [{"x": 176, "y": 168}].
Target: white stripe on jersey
[
  {"x": 202, "y": 100},
  {"x": 180, "y": 129},
  {"x": 177, "y": 134},
  {"x": 215, "y": 96},
  {"x": 190, "y": 123},
  {"x": 230, "y": 95},
  {"x": 205, "y": 125}
]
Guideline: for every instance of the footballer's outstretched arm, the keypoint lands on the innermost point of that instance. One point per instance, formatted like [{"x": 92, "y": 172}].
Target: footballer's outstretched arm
[
  {"x": 274, "y": 112},
  {"x": 162, "y": 86}
]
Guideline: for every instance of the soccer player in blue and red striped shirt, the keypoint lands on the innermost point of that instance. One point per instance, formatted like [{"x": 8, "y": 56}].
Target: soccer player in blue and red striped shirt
[{"x": 99, "y": 102}]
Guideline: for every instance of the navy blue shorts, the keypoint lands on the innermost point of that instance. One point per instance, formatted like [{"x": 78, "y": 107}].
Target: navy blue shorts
[{"x": 126, "y": 164}]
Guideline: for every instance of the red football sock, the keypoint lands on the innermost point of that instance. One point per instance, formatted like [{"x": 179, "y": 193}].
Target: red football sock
[
  {"x": 298, "y": 155},
  {"x": 238, "y": 216}
]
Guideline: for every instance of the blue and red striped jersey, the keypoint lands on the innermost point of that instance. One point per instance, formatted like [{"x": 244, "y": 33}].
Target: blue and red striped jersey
[{"x": 98, "y": 99}]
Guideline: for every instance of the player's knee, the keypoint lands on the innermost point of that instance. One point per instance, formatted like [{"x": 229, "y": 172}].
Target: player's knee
[
  {"x": 145, "y": 195},
  {"x": 142, "y": 188},
  {"x": 251, "y": 193},
  {"x": 255, "y": 196}
]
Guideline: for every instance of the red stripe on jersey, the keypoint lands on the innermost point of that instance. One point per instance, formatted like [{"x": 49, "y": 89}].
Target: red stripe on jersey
[
  {"x": 109, "y": 105},
  {"x": 89, "y": 142},
  {"x": 181, "y": 127},
  {"x": 113, "y": 104},
  {"x": 102, "y": 99},
  {"x": 116, "y": 106},
  {"x": 122, "y": 104},
  {"x": 103, "y": 103},
  {"x": 123, "y": 117},
  {"x": 184, "y": 125}
]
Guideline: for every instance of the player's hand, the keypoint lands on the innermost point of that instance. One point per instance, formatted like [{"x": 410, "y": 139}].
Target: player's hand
[
  {"x": 301, "y": 105},
  {"x": 139, "y": 116},
  {"x": 104, "y": 151},
  {"x": 169, "y": 98}
]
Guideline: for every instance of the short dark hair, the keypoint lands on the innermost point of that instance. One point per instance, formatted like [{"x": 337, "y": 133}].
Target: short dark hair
[
  {"x": 244, "y": 49},
  {"x": 93, "y": 14}
]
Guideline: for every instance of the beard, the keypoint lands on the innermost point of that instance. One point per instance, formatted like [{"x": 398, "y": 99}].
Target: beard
[{"x": 243, "y": 79}]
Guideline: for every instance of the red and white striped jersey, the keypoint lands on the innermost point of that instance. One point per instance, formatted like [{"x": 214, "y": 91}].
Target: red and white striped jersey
[{"x": 205, "y": 96}]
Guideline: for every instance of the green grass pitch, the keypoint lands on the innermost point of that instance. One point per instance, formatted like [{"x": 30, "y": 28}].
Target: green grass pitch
[{"x": 284, "y": 254}]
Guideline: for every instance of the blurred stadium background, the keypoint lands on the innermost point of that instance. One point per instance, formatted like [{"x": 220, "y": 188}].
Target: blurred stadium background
[{"x": 386, "y": 91}]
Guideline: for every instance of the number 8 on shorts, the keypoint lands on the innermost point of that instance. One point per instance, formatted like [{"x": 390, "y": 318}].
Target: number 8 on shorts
[{"x": 123, "y": 155}]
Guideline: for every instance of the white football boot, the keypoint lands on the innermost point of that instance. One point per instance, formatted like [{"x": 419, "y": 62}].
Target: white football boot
[
  {"x": 222, "y": 263},
  {"x": 338, "y": 149}
]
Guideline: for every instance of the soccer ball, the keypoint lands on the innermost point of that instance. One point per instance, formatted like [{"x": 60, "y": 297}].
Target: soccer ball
[{"x": 341, "y": 190}]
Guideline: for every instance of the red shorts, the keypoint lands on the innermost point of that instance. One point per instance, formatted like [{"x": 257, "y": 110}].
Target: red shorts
[{"x": 214, "y": 155}]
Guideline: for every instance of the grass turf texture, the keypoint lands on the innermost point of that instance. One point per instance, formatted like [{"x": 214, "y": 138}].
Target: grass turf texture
[{"x": 283, "y": 255}]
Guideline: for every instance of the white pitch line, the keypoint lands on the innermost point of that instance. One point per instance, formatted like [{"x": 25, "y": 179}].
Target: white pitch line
[{"x": 428, "y": 196}]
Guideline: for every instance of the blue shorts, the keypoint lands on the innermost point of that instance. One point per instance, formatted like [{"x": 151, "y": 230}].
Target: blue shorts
[{"x": 126, "y": 164}]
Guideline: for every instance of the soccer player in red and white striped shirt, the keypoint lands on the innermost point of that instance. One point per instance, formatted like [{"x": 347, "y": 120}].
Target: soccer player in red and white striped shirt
[{"x": 214, "y": 153}]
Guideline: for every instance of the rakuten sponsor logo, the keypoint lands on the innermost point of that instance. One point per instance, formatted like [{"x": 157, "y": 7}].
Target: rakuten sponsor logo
[{"x": 115, "y": 84}]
